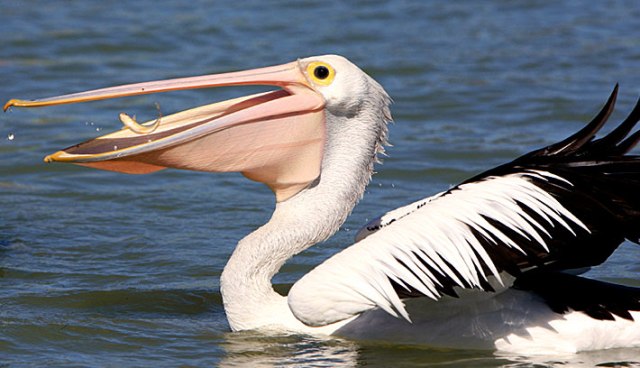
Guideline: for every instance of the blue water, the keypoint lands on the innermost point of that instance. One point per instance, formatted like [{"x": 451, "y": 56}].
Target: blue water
[{"x": 105, "y": 269}]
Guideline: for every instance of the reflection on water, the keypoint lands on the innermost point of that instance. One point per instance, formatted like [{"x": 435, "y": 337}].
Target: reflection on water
[
  {"x": 616, "y": 358},
  {"x": 255, "y": 350}
]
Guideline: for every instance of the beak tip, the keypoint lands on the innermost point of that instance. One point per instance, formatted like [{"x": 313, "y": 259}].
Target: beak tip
[
  {"x": 53, "y": 157},
  {"x": 8, "y": 105},
  {"x": 21, "y": 103}
]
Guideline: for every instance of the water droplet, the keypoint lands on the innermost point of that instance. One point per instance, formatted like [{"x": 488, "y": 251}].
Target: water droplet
[
  {"x": 11, "y": 136},
  {"x": 97, "y": 129}
]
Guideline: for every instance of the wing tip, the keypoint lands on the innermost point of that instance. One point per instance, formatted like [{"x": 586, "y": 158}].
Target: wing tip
[{"x": 617, "y": 143}]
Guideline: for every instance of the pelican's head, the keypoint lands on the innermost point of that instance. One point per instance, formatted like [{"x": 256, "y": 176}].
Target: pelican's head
[{"x": 277, "y": 138}]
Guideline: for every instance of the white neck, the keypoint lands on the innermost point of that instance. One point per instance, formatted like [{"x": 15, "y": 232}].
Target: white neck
[{"x": 300, "y": 222}]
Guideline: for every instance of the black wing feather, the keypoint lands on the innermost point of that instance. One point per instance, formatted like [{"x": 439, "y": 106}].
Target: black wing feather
[
  {"x": 584, "y": 135},
  {"x": 608, "y": 143},
  {"x": 564, "y": 292},
  {"x": 600, "y": 185},
  {"x": 597, "y": 182}
]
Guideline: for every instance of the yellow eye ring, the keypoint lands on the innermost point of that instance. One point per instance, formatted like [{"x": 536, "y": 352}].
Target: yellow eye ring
[{"x": 321, "y": 73}]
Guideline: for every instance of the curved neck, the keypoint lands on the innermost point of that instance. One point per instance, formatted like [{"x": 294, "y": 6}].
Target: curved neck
[{"x": 303, "y": 220}]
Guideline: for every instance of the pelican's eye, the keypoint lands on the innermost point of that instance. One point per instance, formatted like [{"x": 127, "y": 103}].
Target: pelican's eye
[{"x": 321, "y": 73}]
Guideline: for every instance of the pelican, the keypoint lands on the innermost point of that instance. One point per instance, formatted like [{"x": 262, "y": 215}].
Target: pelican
[{"x": 492, "y": 263}]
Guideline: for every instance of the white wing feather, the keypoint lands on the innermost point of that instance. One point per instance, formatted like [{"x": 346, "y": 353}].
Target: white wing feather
[{"x": 419, "y": 245}]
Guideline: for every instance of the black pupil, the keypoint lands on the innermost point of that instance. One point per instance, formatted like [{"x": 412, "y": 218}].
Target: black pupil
[{"x": 321, "y": 72}]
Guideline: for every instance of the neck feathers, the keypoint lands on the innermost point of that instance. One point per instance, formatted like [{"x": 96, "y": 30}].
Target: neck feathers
[{"x": 308, "y": 218}]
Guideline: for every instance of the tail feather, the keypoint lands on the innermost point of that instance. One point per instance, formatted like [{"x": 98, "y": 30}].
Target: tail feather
[
  {"x": 575, "y": 142},
  {"x": 629, "y": 143},
  {"x": 611, "y": 142},
  {"x": 582, "y": 145}
]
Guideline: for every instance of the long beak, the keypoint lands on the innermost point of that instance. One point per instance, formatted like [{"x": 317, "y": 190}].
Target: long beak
[{"x": 276, "y": 138}]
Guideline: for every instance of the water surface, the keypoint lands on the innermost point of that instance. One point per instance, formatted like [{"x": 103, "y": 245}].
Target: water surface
[{"x": 105, "y": 269}]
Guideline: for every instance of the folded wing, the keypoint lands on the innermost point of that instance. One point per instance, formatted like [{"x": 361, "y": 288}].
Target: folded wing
[{"x": 565, "y": 206}]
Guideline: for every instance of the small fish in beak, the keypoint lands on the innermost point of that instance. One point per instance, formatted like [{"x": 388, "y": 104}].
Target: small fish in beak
[{"x": 134, "y": 126}]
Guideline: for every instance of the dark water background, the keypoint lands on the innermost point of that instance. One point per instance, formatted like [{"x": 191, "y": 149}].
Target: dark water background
[{"x": 105, "y": 269}]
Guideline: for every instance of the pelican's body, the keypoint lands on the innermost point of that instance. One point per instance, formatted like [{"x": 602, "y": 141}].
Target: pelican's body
[{"x": 481, "y": 265}]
